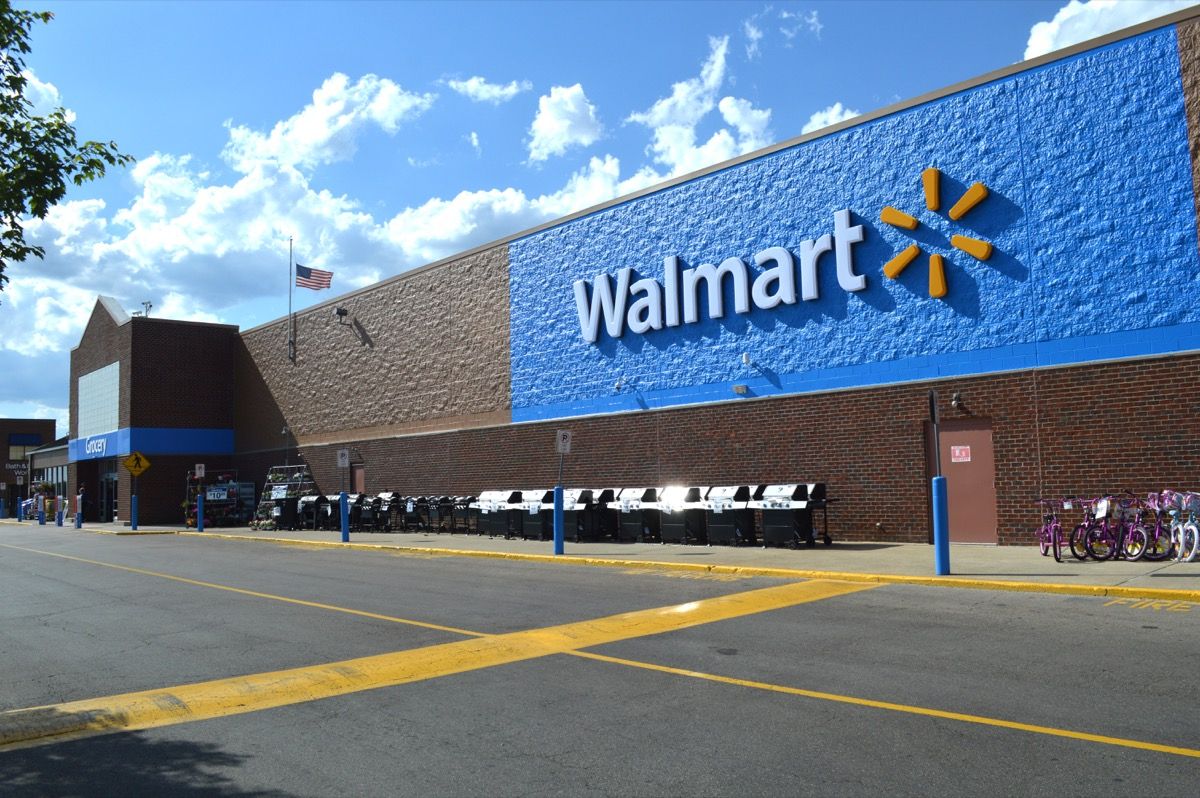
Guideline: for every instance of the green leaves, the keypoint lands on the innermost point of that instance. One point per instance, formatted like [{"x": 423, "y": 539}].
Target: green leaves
[{"x": 39, "y": 155}]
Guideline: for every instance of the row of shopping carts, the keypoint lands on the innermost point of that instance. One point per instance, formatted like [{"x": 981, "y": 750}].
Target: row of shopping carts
[{"x": 782, "y": 514}]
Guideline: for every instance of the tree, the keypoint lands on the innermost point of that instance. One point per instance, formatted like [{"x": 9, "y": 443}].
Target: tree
[{"x": 38, "y": 154}]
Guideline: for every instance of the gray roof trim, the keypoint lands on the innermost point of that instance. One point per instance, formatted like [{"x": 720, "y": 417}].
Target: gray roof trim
[{"x": 887, "y": 110}]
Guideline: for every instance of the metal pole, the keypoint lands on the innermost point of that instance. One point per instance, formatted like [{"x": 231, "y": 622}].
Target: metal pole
[
  {"x": 344, "y": 507},
  {"x": 940, "y": 498},
  {"x": 558, "y": 509},
  {"x": 291, "y": 318},
  {"x": 941, "y": 527},
  {"x": 133, "y": 506},
  {"x": 200, "y": 511}
]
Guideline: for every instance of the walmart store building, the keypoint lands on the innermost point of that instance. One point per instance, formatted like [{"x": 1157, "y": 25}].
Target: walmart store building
[{"x": 1024, "y": 243}]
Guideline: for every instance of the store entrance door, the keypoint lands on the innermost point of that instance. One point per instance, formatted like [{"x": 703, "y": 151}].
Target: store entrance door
[
  {"x": 358, "y": 478},
  {"x": 969, "y": 465},
  {"x": 107, "y": 508}
]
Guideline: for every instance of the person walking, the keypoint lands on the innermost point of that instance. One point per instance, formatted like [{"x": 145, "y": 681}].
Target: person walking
[{"x": 81, "y": 500}]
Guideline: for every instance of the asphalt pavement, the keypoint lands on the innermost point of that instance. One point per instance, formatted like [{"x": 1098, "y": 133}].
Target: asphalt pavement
[{"x": 438, "y": 674}]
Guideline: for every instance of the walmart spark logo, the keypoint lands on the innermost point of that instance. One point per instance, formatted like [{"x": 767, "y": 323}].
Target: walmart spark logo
[{"x": 980, "y": 250}]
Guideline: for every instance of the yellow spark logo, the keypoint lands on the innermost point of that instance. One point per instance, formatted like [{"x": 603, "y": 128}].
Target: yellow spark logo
[{"x": 980, "y": 250}]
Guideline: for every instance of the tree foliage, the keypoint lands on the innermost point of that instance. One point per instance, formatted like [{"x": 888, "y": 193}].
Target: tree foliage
[{"x": 39, "y": 155}]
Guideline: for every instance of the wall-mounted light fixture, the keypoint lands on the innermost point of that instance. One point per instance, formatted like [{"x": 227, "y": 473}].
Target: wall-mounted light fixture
[
  {"x": 956, "y": 400},
  {"x": 745, "y": 358},
  {"x": 340, "y": 314},
  {"x": 619, "y": 384},
  {"x": 740, "y": 390}
]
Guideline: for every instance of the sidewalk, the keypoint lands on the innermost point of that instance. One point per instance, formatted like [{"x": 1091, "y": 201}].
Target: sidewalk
[{"x": 996, "y": 567}]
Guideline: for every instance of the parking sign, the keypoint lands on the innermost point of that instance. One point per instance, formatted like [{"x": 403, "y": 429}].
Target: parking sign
[
  {"x": 562, "y": 441},
  {"x": 343, "y": 458}
]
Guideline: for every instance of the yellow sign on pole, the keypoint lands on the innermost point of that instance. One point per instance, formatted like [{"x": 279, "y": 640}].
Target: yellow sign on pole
[{"x": 136, "y": 463}]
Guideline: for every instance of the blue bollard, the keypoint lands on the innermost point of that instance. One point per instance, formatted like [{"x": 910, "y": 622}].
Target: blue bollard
[
  {"x": 58, "y": 518},
  {"x": 344, "y": 509},
  {"x": 199, "y": 512},
  {"x": 941, "y": 527},
  {"x": 41, "y": 516},
  {"x": 133, "y": 512},
  {"x": 78, "y": 520},
  {"x": 558, "y": 519},
  {"x": 3, "y": 510}
]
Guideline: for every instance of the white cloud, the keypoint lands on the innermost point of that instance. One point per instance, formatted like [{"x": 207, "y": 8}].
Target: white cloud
[
  {"x": 674, "y": 119},
  {"x": 479, "y": 90},
  {"x": 564, "y": 119},
  {"x": 750, "y": 122},
  {"x": 324, "y": 131},
  {"x": 828, "y": 116},
  {"x": 1077, "y": 22},
  {"x": 754, "y": 35},
  {"x": 473, "y": 140},
  {"x": 43, "y": 96},
  {"x": 793, "y": 23}
]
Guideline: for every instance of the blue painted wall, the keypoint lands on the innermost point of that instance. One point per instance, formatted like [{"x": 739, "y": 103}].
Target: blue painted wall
[{"x": 1091, "y": 213}]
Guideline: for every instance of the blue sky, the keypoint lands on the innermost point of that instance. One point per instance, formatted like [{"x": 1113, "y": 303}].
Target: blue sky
[{"x": 382, "y": 136}]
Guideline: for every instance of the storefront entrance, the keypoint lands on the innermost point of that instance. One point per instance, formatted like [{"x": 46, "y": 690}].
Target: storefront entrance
[{"x": 107, "y": 507}]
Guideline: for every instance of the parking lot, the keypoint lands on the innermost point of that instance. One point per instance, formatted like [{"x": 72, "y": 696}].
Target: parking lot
[{"x": 208, "y": 667}]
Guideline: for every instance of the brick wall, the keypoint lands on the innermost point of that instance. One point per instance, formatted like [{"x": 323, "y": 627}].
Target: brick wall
[
  {"x": 181, "y": 374},
  {"x": 1080, "y": 430},
  {"x": 426, "y": 350}
]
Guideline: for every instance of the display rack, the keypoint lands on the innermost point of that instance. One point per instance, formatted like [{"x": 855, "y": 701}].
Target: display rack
[
  {"x": 277, "y": 507},
  {"x": 227, "y": 502}
]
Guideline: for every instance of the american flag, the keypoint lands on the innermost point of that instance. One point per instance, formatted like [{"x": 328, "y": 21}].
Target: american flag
[{"x": 315, "y": 279}]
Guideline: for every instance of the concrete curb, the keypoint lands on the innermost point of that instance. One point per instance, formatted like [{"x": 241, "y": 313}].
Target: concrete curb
[{"x": 1094, "y": 591}]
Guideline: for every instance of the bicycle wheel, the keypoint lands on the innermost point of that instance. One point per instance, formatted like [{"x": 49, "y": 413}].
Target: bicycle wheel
[
  {"x": 1158, "y": 543},
  {"x": 1135, "y": 544},
  {"x": 1100, "y": 544},
  {"x": 1056, "y": 538},
  {"x": 1191, "y": 542},
  {"x": 1044, "y": 540},
  {"x": 1078, "y": 542}
]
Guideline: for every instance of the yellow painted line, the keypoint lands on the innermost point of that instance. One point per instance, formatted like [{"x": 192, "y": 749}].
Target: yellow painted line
[
  {"x": 1005, "y": 585},
  {"x": 907, "y": 708},
  {"x": 222, "y": 697},
  {"x": 1014, "y": 586},
  {"x": 244, "y": 592}
]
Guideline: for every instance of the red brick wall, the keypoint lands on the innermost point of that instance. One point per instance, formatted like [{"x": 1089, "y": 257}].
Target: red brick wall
[{"x": 1080, "y": 430}]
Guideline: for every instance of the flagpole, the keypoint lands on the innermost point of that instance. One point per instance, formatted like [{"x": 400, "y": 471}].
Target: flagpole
[{"x": 291, "y": 318}]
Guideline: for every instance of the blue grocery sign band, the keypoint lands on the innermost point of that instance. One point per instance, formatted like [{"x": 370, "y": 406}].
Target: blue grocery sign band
[
  {"x": 151, "y": 440},
  {"x": 1088, "y": 211}
]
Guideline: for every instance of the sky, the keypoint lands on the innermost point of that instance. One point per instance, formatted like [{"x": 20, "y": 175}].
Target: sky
[{"x": 381, "y": 136}]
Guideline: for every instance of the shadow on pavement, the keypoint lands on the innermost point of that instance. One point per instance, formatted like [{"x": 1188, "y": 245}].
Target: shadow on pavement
[{"x": 122, "y": 764}]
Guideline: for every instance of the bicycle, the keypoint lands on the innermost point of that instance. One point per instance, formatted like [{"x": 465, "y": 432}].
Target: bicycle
[{"x": 1118, "y": 532}]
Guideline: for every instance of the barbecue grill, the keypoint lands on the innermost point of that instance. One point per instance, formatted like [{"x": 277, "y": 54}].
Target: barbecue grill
[
  {"x": 638, "y": 515},
  {"x": 787, "y": 512},
  {"x": 729, "y": 518},
  {"x": 682, "y": 512},
  {"x": 500, "y": 512}
]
